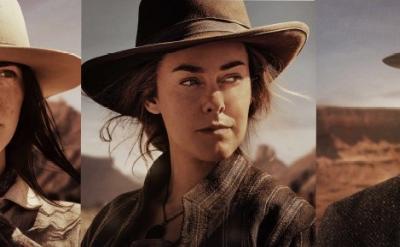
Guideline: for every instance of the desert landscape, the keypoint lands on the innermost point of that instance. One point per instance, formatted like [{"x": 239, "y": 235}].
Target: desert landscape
[{"x": 356, "y": 148}]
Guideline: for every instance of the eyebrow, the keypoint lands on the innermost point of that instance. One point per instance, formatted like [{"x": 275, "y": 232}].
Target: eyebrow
[
  {"x": 6, "y": 64},
  {"x": 189, "y": 68},
  {"x": 231, "y": 65},
  {"x": 197, "y": 69}
]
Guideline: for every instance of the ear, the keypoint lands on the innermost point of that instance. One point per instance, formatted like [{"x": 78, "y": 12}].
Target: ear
[{"x": 152, "y": 106}]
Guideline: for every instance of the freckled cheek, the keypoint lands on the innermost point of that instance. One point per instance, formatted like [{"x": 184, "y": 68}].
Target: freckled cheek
[{"x": 10, "y": 105}]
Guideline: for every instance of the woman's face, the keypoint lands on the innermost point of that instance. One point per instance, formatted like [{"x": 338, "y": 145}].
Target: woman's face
[
  {"x": 203, "y": 95},
  {"x": 11, "y": 97}
]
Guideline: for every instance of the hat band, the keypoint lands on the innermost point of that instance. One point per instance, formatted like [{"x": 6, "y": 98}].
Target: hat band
[{"x": 183, "y": 30}]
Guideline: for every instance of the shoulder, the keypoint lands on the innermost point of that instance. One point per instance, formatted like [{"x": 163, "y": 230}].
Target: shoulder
[
  {"x": 263, "y": 188},
  {"x": 111, "y": 217},
  {"x": 378, "y": 197},
  {"x": 284, "y": 214},
  {"x": 374, "y": 196},
  {"x": 120, "y": 203},
  {"x": 376, "y": 207}
]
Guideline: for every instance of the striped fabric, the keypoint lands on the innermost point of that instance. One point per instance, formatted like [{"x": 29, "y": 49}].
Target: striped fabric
[{"x": 235, "y": 205}]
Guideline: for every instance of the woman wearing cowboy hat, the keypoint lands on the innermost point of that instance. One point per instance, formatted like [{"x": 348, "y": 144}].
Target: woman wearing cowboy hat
[
  {"x": 198, "y": 76},
  {"x": 27, "y": 76},
  {"x": 369, "y": 217}
]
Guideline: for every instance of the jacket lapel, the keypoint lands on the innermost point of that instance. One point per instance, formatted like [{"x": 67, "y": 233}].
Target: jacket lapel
[{"x": 206, "y": 206}]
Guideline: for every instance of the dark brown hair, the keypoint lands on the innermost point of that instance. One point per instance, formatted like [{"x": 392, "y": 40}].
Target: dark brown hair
[
  {"x": 140, "y": 85},
  {"x": 35, "y": 132}
]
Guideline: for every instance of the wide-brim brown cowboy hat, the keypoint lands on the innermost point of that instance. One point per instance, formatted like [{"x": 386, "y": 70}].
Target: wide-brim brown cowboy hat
[
  {"x": 165, "y": 26},
  {"x": 393, "y": 60},
  {"x": 56, "y": 71}
]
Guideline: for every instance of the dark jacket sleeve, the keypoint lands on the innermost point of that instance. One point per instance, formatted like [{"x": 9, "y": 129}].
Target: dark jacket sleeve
[
  {"x": 333, "y": 229},
  {"x": 367, "y": 218},
  {"x": 108, "y": 221}
]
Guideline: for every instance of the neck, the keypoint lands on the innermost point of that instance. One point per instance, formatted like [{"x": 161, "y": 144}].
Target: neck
[
  {"x": 2, "y": 161},
  {"x": 186, "y": 172}
]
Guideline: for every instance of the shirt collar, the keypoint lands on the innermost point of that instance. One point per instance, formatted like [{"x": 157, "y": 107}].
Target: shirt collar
[
  {"x": 21, "y": 194},
  {"x": 213, "y": 189},
  {"x": 206, "y": 203}
]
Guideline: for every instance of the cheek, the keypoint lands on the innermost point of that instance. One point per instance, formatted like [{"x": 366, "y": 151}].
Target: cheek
[
  {"x": 237, "y": 103},
  {"x": 176, "y": 108},
  {"x": 10, "y": 107}
]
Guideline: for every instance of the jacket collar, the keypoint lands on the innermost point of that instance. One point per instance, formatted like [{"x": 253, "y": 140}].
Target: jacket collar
[
  {"x": 205, "y": 204},
  {"x": 60, "y": 219},
  {"x": 21, "y": 194}
]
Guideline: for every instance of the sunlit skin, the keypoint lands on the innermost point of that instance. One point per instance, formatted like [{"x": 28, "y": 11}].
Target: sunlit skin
[
  {"x": 203, "y": 96},
  {"x": 11, "y": 97}
]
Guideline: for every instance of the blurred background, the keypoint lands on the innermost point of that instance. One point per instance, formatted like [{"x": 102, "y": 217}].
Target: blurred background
[
  {"x": 358, "y": 97},
  {"x": 282, "y": 143},
  {"x": 358, "y": 114},
  {"x": 57, "y": 25}
]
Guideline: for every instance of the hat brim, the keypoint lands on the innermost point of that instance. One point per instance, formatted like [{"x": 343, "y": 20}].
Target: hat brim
[
  {"x": 56, "y": 71},
  {"x": 393, "y": 60},
  {"x": 283, "y": 41}
]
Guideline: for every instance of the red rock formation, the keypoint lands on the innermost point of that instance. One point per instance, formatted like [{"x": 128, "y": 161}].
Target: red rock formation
[
  {"x": 266, "y": 160},
  {"x": 300, "y": 177},
  {"x": 357, "y": 147}
]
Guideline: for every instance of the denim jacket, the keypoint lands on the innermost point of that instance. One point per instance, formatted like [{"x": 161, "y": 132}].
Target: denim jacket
[
  {"x": 235, "y": 205},
  {"x": 36, "y": 222}
]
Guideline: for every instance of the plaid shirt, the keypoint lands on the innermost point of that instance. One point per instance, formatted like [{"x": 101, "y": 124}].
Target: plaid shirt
[
  {"x": 34, "y": 222},
  {"x": 235, "y": 205}
]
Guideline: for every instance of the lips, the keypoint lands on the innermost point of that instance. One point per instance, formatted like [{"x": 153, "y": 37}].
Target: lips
[{"x": 214, "y": 128}]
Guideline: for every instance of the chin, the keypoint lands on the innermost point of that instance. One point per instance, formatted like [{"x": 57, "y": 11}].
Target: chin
[{"x": 218, "y": 153}]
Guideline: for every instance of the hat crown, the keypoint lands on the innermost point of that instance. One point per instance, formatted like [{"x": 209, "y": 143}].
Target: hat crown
[
  {"x": 159, "y": 17},
  {"x": 12, "y": 25}
]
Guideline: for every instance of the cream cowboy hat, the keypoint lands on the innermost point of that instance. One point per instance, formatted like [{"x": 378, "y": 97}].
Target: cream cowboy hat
[
  {"x": 56, "y": 71},
  {"x": 170, "y": 25},
  {"x": 393, "y": 60}
]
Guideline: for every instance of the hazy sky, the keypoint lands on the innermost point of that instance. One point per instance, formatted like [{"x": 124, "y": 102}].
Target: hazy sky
[
  {"x": 55, "y": 24},
  {"x": 353, "y": 37},
  {"x": 289, "y": 128}
]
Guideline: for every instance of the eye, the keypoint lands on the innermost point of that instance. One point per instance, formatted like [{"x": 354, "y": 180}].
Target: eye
[
  {"x": 231, "y": 79},
  {"x": 7, "y": 74},
  {"x": 189, "y": 82}
]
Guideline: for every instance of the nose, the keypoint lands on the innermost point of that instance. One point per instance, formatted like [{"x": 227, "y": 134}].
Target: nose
[{"x": 214, "y": 103}]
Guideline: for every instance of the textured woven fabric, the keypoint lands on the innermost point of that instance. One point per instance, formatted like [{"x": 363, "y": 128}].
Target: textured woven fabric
[
  {"x": 368, "y": 218},
  {"x": 28, "y": 220},
  {"x": 235, "y": 205}
]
